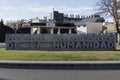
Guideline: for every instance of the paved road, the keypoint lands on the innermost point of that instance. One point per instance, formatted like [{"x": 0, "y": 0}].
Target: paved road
[{"x": 24, "y": 74}]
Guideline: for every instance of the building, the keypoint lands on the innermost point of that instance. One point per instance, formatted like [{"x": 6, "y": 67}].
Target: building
[
  {"x": 62, "y": 23},
  {"x": 89, "y": 27},
  {"x": 35, "y": 20},
  {"x": 50, "y": 27},
  {"x": 61, "y": 17}
]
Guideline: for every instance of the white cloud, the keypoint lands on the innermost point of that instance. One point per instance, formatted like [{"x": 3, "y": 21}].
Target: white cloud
[
  {"x": 48, "y": 9},
  {"x": 64, "y": 9},
  {"x": 76, "y": 10},
  {"x": 1, "y": 14},
  {"x": 30, "y": 11},
  {"x": 7, "y": 8},
  {"x": 39, "y": 9}
]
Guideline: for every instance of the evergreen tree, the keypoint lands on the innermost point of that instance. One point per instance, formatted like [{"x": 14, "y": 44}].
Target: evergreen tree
[{"x": 4, "y": 30}]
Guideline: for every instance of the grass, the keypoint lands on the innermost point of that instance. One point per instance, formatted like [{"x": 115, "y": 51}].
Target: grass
[{"x": 59, "y": 55}]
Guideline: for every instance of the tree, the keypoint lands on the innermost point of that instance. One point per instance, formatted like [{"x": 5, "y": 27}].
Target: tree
[
  {"x": 109, "y": 7},
  {"x": 4, "y": 30}
]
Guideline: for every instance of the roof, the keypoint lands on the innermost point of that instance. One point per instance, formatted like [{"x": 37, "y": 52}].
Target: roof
[{"x": 96, "y": 19}]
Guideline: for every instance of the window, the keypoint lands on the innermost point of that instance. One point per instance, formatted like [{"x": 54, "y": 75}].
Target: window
[
  {"x": 84, "y": 25},
  {"x": 78, "y": 25}
]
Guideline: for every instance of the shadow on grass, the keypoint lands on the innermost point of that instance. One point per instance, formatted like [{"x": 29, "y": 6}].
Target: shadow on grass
[{"x": 117, "y": 49}]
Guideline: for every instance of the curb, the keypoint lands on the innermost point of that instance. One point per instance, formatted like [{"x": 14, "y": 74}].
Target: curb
[{"x": 62, "y": 65}]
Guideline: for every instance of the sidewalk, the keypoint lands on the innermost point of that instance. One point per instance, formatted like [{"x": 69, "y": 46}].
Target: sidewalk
[
  {"x": 62, "y": 65},
  {"x": 2, "y": 45}
]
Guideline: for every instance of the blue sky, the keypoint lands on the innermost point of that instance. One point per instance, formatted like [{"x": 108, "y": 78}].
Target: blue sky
[{"x": 25, "y": 9}]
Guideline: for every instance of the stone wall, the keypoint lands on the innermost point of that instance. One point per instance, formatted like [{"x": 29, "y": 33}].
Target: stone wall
[{"x": 61, "y": 41}]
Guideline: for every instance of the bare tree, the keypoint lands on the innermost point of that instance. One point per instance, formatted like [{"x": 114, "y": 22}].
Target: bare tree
[{"x": 109, "y": 7}]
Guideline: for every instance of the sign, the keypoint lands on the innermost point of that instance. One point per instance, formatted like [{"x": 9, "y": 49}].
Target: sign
[{"x": 61, "y": 41}]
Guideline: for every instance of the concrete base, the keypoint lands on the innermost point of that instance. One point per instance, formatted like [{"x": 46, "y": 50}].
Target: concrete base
[{"x": 62, "y": 65}]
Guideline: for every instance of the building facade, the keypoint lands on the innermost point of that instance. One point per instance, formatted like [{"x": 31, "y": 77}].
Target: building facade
[
  {"x": 89, "y": 27},
  {"x": 60, "y": 23},
  {"x": 61, "y": 17}
]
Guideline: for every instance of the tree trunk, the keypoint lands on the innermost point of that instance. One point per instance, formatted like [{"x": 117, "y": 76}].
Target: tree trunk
[{"x": 118, "y": 31}]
